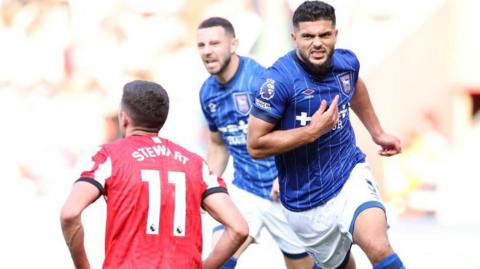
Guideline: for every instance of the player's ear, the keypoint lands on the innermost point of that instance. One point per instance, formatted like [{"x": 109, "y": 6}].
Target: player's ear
[
  {"x": 234, "y": 45},
  {"x": 293, "y": 36},
  {"x": 124, "y": 119}
]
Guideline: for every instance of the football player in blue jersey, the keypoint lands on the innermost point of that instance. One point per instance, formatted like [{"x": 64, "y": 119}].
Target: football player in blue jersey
[
  {"x": 301, "y": 115},
  {"x": 226, "y": 99}
]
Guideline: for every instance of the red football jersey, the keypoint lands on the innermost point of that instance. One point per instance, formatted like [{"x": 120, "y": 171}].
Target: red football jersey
[{"x": 154, "y": 189}]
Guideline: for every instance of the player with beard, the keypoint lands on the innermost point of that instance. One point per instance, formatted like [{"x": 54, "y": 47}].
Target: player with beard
[
  {"x": 226, "y": 99},
  {"x": 301, "y": 115}
]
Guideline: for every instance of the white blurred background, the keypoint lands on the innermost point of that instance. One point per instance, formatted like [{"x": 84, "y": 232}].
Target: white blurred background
[{"x": 63, "y": 64}]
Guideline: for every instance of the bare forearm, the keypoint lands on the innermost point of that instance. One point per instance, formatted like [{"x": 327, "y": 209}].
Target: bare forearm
[
  {"x": 363, "y": 108},
  {"x": 280, "y": 141},
  {"x": 228, "y": 243},
  {"x": 217, "y": 159},
  {"x": 74, "y": 237}
]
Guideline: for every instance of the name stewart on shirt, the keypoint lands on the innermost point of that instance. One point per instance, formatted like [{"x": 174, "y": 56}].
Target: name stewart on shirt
[{"x": 158, "y": 150}]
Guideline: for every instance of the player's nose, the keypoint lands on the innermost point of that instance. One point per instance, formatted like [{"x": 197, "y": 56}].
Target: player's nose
[{"x": 317, "y": 42}]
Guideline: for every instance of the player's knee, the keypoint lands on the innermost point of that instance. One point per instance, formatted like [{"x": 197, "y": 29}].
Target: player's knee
[
  {"x": 241, "y": 230},
  {"x": 378, "y": 252},
  {"x": 68, "y": 215}
]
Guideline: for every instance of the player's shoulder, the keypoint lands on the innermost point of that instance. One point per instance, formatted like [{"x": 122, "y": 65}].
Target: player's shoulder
[
  {"x": 208, "y": 83},
  {"x": 117, "y": 144},
  {"x": 285, "y": 62},
  {"x": 250, "y": 63},
  {"x": 347, "y": 56},
  {"x": 283, "y": 68},
  {"x": 175, "y": 147},
  {"x": 208, "y": 87}
]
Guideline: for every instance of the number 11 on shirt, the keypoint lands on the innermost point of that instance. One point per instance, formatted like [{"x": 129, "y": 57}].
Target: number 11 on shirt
[{"x": 154, "y": 200}]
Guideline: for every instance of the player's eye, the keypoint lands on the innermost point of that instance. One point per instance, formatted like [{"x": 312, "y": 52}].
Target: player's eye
[
  {"x": 307, "y": 36},
  {"x": 326, "y": 35}
]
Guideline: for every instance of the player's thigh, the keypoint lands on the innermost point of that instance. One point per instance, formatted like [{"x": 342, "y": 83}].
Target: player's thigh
[
  {"x": 294, "y": 253},
  {"x": 321, "y": 234},
  {"x": 364, "y": 213},
  {"x": 276, "y": 223},
  {"x": 370, "y": 234}
]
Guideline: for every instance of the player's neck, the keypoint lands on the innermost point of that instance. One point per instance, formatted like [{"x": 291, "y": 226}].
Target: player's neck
[
  {"x": 226, "y": 75},
  {"x": 141, "y": 131}
]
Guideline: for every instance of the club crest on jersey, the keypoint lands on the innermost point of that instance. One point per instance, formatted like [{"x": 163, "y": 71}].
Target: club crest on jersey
[
  {"x": 345, "y": 80},
  {"x": 242, "y": 102},
  {"x": 267, "y": 91}
]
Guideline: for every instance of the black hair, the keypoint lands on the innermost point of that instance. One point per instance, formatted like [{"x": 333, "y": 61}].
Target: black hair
[
  {"x": 313, "y": 11},
  {"x": 146, "y": 103},
  {"x": 218, "y": 21}
]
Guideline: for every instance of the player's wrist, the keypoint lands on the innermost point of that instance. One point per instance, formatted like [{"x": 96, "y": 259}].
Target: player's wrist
[{"x": 311, "y": 134}]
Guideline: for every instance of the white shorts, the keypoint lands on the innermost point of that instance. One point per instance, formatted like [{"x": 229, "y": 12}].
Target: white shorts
[
  {"x": 260, "y": 213},
  {"x": 327, "y": 230}
]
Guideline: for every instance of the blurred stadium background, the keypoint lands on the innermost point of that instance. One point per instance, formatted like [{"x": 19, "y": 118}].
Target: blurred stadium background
[{"x": 63, "y": 63}]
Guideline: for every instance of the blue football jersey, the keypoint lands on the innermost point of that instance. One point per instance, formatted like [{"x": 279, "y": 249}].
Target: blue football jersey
[
  {"x": 288, "y": 96},
  {"x": 226, "y": 108}
]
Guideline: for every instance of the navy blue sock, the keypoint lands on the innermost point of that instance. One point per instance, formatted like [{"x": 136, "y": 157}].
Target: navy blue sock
[
  {"x": 230, "y": 264},
  {"x": 390, "y": 262}
]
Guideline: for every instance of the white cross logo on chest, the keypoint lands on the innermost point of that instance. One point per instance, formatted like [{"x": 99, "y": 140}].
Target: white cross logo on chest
[
  {"x": 303, "y": 118},
  {"x": 242, "y": 126}
]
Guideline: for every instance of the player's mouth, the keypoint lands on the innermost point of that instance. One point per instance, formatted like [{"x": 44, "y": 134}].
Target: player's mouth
[
  {"x": 210, "y": 62},
  {"x": 318, "y": 54}
]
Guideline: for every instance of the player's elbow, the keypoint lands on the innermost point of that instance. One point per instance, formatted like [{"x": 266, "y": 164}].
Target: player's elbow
[
  {"x": 240, "y": 231},
  {"x": 255, "y": 151},
  {"x": 69, "y": 216}
]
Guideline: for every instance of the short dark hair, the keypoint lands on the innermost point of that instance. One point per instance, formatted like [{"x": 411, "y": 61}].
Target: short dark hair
[
  {"x": 313, "y": 11},
  {"x": 218, "y": 21},
  {"x": 146, "y": 103}
]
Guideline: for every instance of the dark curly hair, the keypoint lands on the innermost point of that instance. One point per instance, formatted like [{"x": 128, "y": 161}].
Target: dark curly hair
[
  {"x": 313, "y": 11},
  {"x": 146, "y": 103}
]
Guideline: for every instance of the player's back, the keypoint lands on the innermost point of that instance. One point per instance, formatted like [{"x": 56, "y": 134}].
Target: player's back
[{"x": 153, "y": 197}]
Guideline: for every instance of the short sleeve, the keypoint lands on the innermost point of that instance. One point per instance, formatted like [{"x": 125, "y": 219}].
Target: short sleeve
[
  {"x": 207, "y": 108},
  {"x": 271, "y": 96},
  {"x": 352, "y": 62},
  {"x": 97, "y": 170},
  {"x": 355, "y": 64},
  {"x": 212, "y": 183}
]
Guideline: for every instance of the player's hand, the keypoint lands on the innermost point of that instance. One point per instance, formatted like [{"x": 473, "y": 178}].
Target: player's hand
[
  {"x": 323, "y": 120},
  {"x": 389, "y": 143},
  {"x": 274, "y": 194}
]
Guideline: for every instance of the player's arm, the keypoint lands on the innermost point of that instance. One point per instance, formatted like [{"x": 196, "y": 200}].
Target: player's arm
[
  {"x": 263, "y": 141},
  {"x": 82, "y": 195},
  {"x": 221, "y": 208},
  {"x": 217, "y": 153},
  {"x": 363, "y": 108}
]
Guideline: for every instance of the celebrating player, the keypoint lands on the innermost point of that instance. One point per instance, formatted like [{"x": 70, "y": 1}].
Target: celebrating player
[{"x": 301, "y": 115}]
